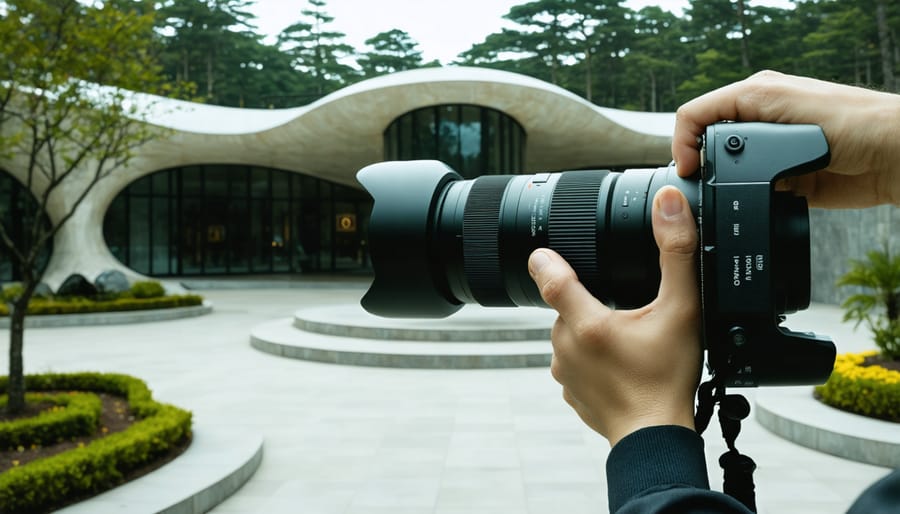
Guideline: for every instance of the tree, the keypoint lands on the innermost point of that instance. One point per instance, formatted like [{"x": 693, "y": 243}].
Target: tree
[
  {"x": 67, "y": 118},
  {"x": 200, "y": 37},
  {"x": 318, "y": 51},
  {"x": 392, "y": 51},
  {"x": 657, "y": 61}
]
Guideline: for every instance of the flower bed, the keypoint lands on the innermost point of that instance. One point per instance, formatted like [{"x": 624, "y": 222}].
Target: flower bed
[
  {"x": 872, "y": 391},
  {"x": 42, "y": 484}
]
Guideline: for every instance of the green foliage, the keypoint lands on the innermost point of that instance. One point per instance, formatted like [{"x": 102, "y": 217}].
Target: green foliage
[
  {"x": 316, "y": 51},
  {"x": 392, "y": 51},
  {"x": 40, "y": 307},
  {"x": 147, "y": 289},
  {"x": 44, "y": 483},
  {"x": 878, "y": 305},
  {"x": 72, "y": 415},
  {"x": 868, "y": 390},
  {"x": 11, "y": 292}
]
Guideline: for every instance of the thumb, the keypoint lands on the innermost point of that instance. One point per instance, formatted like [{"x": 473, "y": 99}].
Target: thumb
[
  {"x": 560, "y": 288},
  {"x": 676, "y": 236}
]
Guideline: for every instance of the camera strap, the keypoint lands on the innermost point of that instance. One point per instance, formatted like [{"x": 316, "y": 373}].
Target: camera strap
[{"x": 738, "y": 468}]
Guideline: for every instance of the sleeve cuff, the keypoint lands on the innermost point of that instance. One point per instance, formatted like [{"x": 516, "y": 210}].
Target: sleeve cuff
[{"x": 653, "y": 458}]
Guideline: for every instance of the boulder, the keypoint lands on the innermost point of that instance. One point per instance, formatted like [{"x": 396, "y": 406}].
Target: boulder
[
  {"x": 76, "y": 285},
  {"x": 112, "y": 282},
  {"x": 43, "y": 291}
]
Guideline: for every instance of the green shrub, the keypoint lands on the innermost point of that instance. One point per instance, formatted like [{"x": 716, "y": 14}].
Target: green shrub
[
  {"x": 10, "y": 292},
  {"x": 45, "y": 483},
  {"x": 147, "y": 289},
  {"x": 77, "y": 305},
  {"x": 72, "y": 415},
  {"x": 879, "y": 303},
  {"x": 872, "y": 391}
]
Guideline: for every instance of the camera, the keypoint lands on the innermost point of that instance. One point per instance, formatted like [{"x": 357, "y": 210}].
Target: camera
[{"x": 438, "y": 242}]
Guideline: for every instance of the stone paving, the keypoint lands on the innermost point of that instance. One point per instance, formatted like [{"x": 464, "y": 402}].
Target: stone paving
[{"x": 356, "y": 440}]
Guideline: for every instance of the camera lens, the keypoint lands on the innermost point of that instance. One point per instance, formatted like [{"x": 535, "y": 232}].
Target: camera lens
[{"x": 476, "y": 235}]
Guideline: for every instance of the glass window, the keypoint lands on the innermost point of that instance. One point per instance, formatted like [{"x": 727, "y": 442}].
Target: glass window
[
  {"x": 405, "y": 139},
  {"x": 237, "y": 236},
  {"x": 281, "y": 184},
  {"x": 472, "y": 139},
  {"x": 259, "y": 182},
  {"x": 141, "y": 186},
  {"x": 231, "y": 223},
  {"x": 448, "y": 136},
  {"x": 115, "y": 226},
  {"x": 425, "y": 133},
  {"x": 160, "y": 235},
  {"x": 260, "y": 235},
  {"x": 191, "y": 181},
  {"x": 281, "y": 235},
  {"x": 139, "y": 229},
  {"x": 237, "y": 176},
  {"x": 216, "y": 178},
  {"x": 161, "y": 183}
]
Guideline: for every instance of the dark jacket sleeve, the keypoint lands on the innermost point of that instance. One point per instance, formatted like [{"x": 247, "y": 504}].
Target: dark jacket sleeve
[
  {"x": 663, "y": 470},
  {"x": 882, "y": 497}
]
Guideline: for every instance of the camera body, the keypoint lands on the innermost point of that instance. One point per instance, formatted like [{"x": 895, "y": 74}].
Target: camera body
[
  {"x": 748, "y": 232},
  {"x": 438, "y": 241}
]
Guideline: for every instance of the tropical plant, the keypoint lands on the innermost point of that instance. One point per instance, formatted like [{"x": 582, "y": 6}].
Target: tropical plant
[{"x": 878, "y": 305}]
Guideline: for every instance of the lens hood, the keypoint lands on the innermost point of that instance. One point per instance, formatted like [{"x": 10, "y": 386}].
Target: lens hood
[{"x": 406, "y": 195}]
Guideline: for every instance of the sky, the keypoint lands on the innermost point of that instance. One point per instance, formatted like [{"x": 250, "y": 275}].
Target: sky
[{"x": 443, "y": 28}]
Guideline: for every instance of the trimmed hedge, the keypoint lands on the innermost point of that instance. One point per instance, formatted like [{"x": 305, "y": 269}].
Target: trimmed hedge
[
  {"x": 147, "y": 289},
  {"x": 872, "y": 391},
  {"x": 72, "y": 415},
  {"x": 84, "y": 305},
  {"x": 101, "y": 465}
]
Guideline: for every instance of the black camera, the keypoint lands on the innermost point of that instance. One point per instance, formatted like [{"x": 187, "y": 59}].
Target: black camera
[{"x": 438, "y": 241}]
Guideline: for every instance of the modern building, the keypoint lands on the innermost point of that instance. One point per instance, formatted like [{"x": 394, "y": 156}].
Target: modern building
[
  {"x": 244, "y": 191},
  {"x": 240, "y": 191}
]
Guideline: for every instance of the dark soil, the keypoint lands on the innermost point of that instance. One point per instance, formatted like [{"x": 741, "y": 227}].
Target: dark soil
[
  {"x": 878, "y": 360},
  {"x": 115, "y": 417}
]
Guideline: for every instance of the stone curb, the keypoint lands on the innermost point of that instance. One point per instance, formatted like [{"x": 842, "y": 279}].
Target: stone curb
[
  {"x": 280, "y": 337},
  {"x": 793, "y": 413},
  {"x": 113, "y": 318},
  {"x": 215, "y": 466}
]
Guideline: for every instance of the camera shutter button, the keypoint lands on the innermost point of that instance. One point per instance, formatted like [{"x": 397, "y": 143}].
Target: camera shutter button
[{"x": 734, "y": 144}]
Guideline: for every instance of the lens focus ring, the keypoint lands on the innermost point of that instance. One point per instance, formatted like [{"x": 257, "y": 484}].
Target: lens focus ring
[
  {"x": 481, "y": 247},
  {"x": 573, "y": 222}
]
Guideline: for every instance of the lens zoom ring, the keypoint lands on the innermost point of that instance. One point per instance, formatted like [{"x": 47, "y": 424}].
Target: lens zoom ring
[
  {"x": 572, "y": 227},
  {"x": 481, "y": 247}
]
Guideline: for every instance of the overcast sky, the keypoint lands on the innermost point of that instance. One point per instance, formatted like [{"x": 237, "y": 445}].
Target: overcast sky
[{"x": 443, "y": 28}]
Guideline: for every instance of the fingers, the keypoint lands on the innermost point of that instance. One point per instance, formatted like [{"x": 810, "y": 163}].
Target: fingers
[
  {"x": 676, "y": 236},
  {"x": 560, "y": 288},
  {"x": 747, "y": 100}
]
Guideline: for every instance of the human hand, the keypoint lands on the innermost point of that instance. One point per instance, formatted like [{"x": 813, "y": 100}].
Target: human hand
[
  {"x": 862, "y": 128},
  {"x": 622, "y": 370}
]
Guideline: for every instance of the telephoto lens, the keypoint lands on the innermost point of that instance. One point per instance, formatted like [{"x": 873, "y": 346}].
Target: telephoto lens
[{"x": 439, "y": 241}]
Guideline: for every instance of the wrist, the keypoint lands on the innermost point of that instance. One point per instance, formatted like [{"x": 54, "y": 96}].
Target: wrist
[{"x": 633, "y": 424}]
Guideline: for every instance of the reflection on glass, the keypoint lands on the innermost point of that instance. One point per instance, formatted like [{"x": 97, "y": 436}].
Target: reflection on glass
[
  {"x": 17, "y": 211},
  {"x": 283, "y": 222},
  {"x": 472, "y": 139}
]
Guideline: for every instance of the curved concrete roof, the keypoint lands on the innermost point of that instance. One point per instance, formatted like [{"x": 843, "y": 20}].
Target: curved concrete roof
[
  {"x": 341, "y": 133},
  {"x": 337, "y": 135}
]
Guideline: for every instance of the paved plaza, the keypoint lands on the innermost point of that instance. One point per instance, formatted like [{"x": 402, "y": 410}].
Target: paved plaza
[{"x": 364, "y": 440}]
